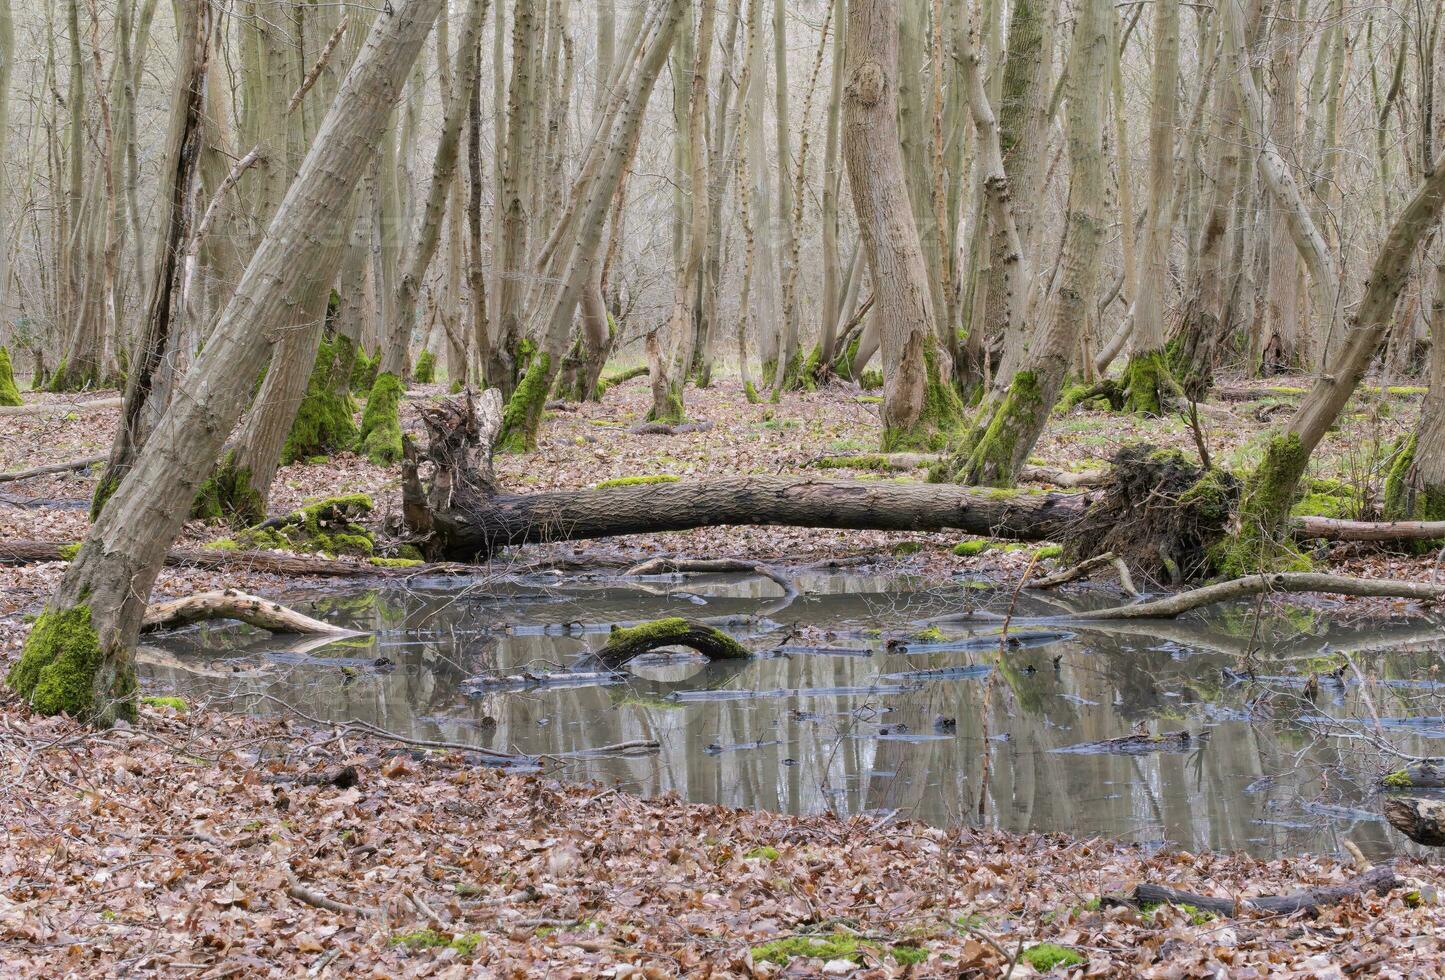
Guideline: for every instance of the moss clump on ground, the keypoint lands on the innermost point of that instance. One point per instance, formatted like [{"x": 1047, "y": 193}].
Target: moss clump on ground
[
  {"x": 465, "y": 943},
  {"x": 637, "y": 481},
  {"x": 58, "y": 667},
  {"x": 69, "y": 551},
  {"x": 9, "y": 393},
  {"x": 157, "y": 701},
  {"x": 326, "y": 527},
  {"x": 324, "y": 421},
  {"x": 1045, "y": 956},
  {"x": 839, "y": 946},
  {"x": 523, "y": 415},
  {"x": 973, "y": 548},
  {"x": 866, "y": 461},
  {"x": 227, "y": 495},
  {"x": 905, "y": 955},
  {"x": 1048, "y": 551},
  {"x": 425, "y": 371},
  {"x": 930, "y": 635},
  {"x": 395, "y": 562},
  {"x": 381, "y": 422},
  {"x": 764, "y": 853}
]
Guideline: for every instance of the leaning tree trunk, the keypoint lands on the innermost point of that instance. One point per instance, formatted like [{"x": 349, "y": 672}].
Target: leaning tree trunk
[
  {"x": 79, "y": 658},
  {"x": 1271, "y": 488},
  {"x": 1415, "y": 489},
  {"x": 139, "y": 412},
  {"x": 919, "y": 402},
  {"x": 1012, "y": 419}
]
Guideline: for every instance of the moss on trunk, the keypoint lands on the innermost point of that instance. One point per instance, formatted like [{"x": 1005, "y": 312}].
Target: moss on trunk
[
  {"x": 1260, "y": 542},
  {"x": 363, "y": 369},
  {"x": 671, "y": 409},
  {"x": 63, "y": 668},
  {"x": 9, "y": 394},
  {"x": 381, "y": 422},
  {"x": 1150, "y": 385},
  {"x": 523, "y": 416},
  {"x": 325, "y": 420},
  {"x": 229, "y": 496},
  {"x": 425, "y": 371},
  {"x": 942, "y": 411},
  {"x": 992, "y": 454}
]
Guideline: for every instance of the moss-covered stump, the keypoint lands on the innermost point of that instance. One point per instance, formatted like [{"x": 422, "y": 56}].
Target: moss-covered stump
[
  {"x": 1150, "y": 387},
  {"x": 227, "y": 495},
  {"x": 381, "y": 422},
  {"x": 325, "y": 421},
  {"x": 942, "y": 410},
  {"x": 63, "y": 669},
  {"x": 326, "y": 527},
  {"x": 1105, "y": 395},
  {"x": 1159, "y": 511},
  {"x": 425, "y": 370},
  {"x": 628, "y": 642},
  {"x": 9, "y": 393}
]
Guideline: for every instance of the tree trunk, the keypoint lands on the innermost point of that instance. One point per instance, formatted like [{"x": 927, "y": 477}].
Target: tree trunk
[
  {"x": 1415, "y": 489},
  {"x": 79, "y": 658},
  {"x": 1012, "y": 419},
  {"x": 919, "y": 402}
]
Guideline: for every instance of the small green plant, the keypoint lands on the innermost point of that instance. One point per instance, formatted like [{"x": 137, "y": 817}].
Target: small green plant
[
  {"x": 931, "y": 635},
  {"x": 1400, "y": 779},
  {"x": 1045, "y": 956},
  {"x": 464, "y": 943},
  {"x": 838, "y": 946},
  {"x": 908, "y": 955},
  {"x": 637, "y": 481},
  {"x": 764, "y": 853},
  {"x": 157, "y": 701}
]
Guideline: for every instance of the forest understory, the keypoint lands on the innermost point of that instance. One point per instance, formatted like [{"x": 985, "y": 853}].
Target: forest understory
[{"x": 189, "y": 840}]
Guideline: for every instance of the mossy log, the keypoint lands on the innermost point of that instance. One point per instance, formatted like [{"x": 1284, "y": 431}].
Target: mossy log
[
  {"x": 1422, "y": 775},
  {"x": 1380, "y": 880},
  {"x": 1423, "y": 821},
  {"x": 627, "y": 642}
]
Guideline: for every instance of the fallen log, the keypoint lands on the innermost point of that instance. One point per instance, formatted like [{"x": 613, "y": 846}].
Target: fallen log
[
  {"x": 627, "y": 642},
  {"x": 1139, "y": 743},
  {"x": 273, "y": 562},
  {"x": 1336, "y": 529},
  {"x": 1250, "y": 585},
  {"x": 1380, "y": 880},
  {"x": 1423, "y": 821},
  {"x": 230, "y": 604},
  {"x": 669, "y": 429},
  {"x": 60, "y": 408},
  {"x": 1422, "y": 775},
  {"x": 30, "y": 474},
  {"x": 713, "y": 566},
  {"x": 903, "y": 462}
]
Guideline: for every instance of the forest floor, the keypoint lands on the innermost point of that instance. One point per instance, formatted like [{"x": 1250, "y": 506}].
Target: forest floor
[{"x": 171, "y": 846}]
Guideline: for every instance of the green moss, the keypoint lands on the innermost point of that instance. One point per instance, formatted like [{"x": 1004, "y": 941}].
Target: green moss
[
  {"x": 764, "y": 853},
  {"x": 672, "y": 411},
  {"x": 905, "y": 548},
  {"x": 464, "y": 943},
  {"x": 1400, "y": 779},
  {"x": 381, "y": 422},
  {"x": 637, "y": 481},
  {"x": 866, "y": 461},
  {"x": 324, "y": 421},
  {"x": 425, "y": 371},
  {"x": 325, "y": 527},
  {"x": 905, "y": 955},
  {"x": 990, "y": 459},
  {"x": 60, "y": 670},
  {"x": 229, "y": 496},
  {"x": 942, "y": 410},
  {"x": 1045, "y": 956},
  {"x": 972, "y": 548},
  {"x": 751, "y": 391},
  {"x": 223, "y": 544},
  {"x": 1406, "y": 390},
  {"x": 871, "y": 380},
  {"x": 838, "y": 946},
  {"x": 1269, "y": 493},
  {"x": 362, "y": 375},
  {"x": 395, "y": 562},
  {"x": 930, "y": 635},
  {"x": 104, "y": 489},
  {"x": 1150, "y": 386},
  {"x": 523, "y": 415},
  {"x": 1048, "y": 551},
  {"x": 157, "y": 701},
  {"x": 625, "y": 641},
  {"x": 9, "y": 394},
  {"x": 69, "y": 551}
]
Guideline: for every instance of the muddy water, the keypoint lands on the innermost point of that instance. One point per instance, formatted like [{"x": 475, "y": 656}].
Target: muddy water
[{"x": 856, "y": 713}]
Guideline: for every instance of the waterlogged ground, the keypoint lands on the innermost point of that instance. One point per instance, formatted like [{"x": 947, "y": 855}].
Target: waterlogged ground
[{"x": 861, "y": 702}]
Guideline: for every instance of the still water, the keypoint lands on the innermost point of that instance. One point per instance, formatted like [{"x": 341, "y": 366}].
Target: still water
[{"x": 854, "y": 709}]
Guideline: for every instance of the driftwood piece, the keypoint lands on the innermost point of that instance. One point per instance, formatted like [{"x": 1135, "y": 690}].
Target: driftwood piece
[
  {"x": 1080, "y": 570},
  {"x": 1381, "y": 879},
  {"x": 343, "y": 777},
  {"x": 1421, "y": 775},
  {"x": 630, "y": 641},
  {"x": 1423, "y": 821},
  {"x": 74, "y": 464},
  {"x": 231, "y": 604}
]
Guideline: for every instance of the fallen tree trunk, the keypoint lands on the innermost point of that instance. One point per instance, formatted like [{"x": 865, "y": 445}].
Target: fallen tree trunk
[
  {"x": 1423, "y": 821},
  {"x": 74, "y": 464},
  {"x": 230, "y": 604},
  {"x": 1175, "y": 605},
  {"x": 1381, "y": 879},
  {"x": 1422, "y": 775},
  {"x": 273, "y": 562},
  {"x": 628, "y": 642},
  {"x": 1335, "y": 529}
]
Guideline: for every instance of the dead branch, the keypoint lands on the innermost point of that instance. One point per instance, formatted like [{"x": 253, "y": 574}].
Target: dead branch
[
  {"x": 1335, "y": 529},
  {"x": 231, "y": 604},
  {"x": 1423, "y": 821},
  {"x": 1381, "y": 879},
  {"x": 1250, "y": 585},
  {"x": 74, "y": 464},
  {"x": 669, "y": 566}
]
